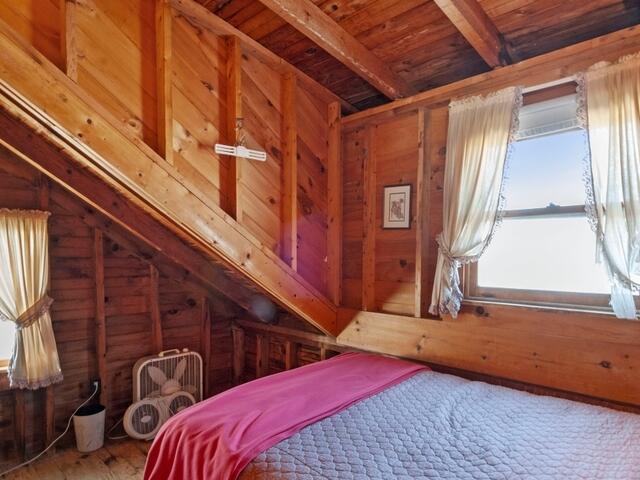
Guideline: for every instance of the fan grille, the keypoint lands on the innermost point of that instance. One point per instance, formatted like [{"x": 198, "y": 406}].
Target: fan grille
[
  {"x": 191, "y": 380},
  {"x": 145, "y": 418},
  {"x": 179, "y": 403}
]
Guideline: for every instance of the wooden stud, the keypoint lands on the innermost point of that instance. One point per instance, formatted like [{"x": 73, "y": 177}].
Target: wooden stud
[
  {"x": 262, "y": 355},
  {"x": 19, "y": 420},
  {"x": 238, "y": 354},
  {"x": 154, "y": 309},
  {"x": 422, "y": 216},
  {"x": 48, "y": 397},
  {"x": 205, "y": 342},
  {"x": 334, "y": 206},
  {"x": 234, "y": 123},
  {"x": 323, "y": 352},
  {"x": 369, "y": 223},
  {"x": 312, "y": 22},
  {"x": 68, "y": 42},
  {"x": 290, "y": 355},
  {"x": 289, "y": 215},
  {"x": 44, "y": 191},
  {"x": 49, "y": 414},
  {"x": 164, "y": 79},
  {"x": 101, "y": 324},
  {"x": 476, "y": 26}
]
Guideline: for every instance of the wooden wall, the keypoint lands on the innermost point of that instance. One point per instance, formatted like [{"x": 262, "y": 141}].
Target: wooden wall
[
  {"x": 174, "y": 79},
  {"x": 92, "y": 271},
  {"x": 378, "y": 265},
  {"x": 388, "y": 274}
]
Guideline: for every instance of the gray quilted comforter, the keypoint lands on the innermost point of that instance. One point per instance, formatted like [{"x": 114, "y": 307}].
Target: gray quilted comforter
[{"x": 436, "y": 426}]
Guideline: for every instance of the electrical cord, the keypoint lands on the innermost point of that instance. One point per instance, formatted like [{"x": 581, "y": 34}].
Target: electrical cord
[
  {"x": 2, "y": 474},
  {"x": 119, "y": 437}
]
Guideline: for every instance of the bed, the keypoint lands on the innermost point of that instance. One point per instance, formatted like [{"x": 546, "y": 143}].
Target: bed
[{"x": 390, "y": 419}]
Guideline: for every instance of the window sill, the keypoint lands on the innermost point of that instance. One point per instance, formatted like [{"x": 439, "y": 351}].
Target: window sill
[{"x": 479, "y": 302}]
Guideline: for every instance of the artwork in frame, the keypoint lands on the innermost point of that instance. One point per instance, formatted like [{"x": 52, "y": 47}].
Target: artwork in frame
[{"x": 397, "y": 206}]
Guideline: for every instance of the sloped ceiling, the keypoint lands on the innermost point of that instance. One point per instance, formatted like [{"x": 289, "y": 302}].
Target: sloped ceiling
[{"x": 417, "y": 40}]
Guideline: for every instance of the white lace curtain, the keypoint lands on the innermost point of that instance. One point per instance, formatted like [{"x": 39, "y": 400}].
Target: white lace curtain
[
  {"x": 481, "y": 131},
  {"x": 609, "y": 95},
  {"x": 24, "y": 278}
]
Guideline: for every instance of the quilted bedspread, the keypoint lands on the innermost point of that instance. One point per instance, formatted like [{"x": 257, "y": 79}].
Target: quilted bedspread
[{"x": 436, "y": 426}]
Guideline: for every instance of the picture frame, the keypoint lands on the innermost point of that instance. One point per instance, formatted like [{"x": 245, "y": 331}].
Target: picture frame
[{"x": 397, "y": 207}]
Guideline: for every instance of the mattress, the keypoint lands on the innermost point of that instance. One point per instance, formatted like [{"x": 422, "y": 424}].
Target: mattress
[{"x": 437, "y": 426}]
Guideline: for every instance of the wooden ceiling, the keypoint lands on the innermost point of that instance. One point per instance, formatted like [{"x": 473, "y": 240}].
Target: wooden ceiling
[{"x": 421, "y": 43}]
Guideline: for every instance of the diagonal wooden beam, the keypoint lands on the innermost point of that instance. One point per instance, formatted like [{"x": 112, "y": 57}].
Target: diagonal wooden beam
[
  {"x": 200, "y": 17},
  {"x": 476, "y": 26},
  {"x": 309, "y": 20}
]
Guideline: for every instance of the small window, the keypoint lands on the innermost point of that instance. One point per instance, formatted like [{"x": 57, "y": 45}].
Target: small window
[
  {"x": 545, "y": 251},
  {"x": 7, "y": 336}
]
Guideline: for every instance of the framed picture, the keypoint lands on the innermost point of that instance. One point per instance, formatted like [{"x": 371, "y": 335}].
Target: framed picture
[{"x": 397, "y": 206}]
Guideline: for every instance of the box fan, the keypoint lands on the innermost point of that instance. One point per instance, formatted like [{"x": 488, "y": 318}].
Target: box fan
[{"x": 163, "y": 385}]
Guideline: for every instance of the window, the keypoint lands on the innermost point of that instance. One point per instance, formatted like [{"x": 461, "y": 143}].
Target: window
[
  {"x": 545, "y": 251},
  {"x": 7, "y": 335}
]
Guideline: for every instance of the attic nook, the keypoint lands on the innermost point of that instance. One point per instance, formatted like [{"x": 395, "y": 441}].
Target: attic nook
[{"x": 418, "y": 216}]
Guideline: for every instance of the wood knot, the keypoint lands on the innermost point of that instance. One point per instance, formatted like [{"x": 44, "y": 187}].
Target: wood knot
[
  {"x": 605, "y": 364},
  {"x": 403, "y": 263},
  {"x": 207, "y": 85}
]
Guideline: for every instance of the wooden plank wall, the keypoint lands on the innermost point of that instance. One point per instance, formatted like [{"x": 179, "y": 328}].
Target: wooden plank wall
[
  {"x": 40, "y": 23},
  {"x": 313, "y": 141},
  {"x": 387, "y": 256},
  {"x": 199, "y": 109},
  {"x": 140, "y": 65},
  {"x": 129, "y": 303},
  {"x": 114, "y": 65},
  {"x": 260, "y": 183},
  {"x": 592, "y": 354}
]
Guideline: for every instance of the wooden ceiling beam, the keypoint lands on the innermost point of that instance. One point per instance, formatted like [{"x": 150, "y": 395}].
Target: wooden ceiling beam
[
  {"x": 476, "y": 26},
  {"x": 312, "y": 22},
  {"x": 534, "y": 71},
  {"x": 199, "y": 16}
]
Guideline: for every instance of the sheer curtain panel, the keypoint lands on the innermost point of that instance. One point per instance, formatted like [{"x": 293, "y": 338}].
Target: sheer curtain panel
[
  {"x": 481, "y": 130},
  {"x": 610, "y": 106},
  {"x": 24, "y": 278}
]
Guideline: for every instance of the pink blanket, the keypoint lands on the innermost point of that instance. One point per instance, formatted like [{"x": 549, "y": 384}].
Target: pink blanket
[{"x": 217, "y": 438}]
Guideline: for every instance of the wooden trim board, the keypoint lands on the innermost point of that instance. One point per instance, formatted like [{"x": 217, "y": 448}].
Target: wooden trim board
[{"x": 579, "y": 353}]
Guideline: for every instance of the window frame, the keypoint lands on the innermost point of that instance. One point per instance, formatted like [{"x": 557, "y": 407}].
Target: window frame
[
  {"x": 548, "y": 298},
  {"x": 474, "y": 293}
]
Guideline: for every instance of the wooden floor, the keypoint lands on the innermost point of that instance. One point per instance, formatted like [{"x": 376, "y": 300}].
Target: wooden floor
[{"x": 118, "y": 460}]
